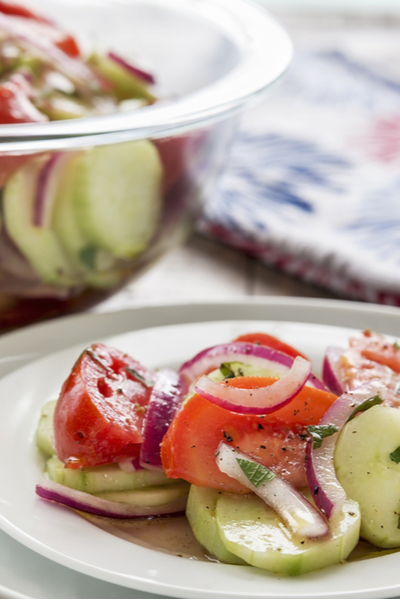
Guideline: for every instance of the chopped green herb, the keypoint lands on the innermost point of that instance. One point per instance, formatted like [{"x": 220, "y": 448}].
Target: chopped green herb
[
  {"x": 396, "y": 346},
  {"x": 395, "y": 455},
  {"x": 227, "y": 371},
  {"x": 140, "y": 377},
  {"x": 319, "y": 432},
  {"x": 365, "y": 406},
  {"x": 96, "y": 358},
  {"x": 88, "y": 257},
  {"x": 255, "y": 473}
]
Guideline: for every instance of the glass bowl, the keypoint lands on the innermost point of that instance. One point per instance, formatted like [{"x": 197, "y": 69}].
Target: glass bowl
[{"x": 149, "y": 168}]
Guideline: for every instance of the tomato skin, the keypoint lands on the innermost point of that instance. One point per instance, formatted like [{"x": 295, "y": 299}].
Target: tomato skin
[
  {"x": 15, "y": 106},
  {"x": 377, "y": 348},
  {"x": 64, "y": 41},
  {"x": 9, "y": 164},
  {"x": 277, "y": 440},
  {"x": 271, "y": 342},
  {"x": 19, "y": 11},
  {"x": 100, "y": 411}
]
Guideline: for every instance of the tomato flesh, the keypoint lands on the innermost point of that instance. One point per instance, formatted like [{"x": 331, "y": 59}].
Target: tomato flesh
[
  {"x": 42, "y": 26},
  {"x": 278, "y": 440},
  {"x": 15, "y": 106},
  {"x": 264, "y": 339},
  {"x": 100, "y": 412}
]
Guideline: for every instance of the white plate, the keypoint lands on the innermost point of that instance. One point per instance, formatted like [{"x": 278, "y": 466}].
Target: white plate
[{"x": 62, "y": 536}]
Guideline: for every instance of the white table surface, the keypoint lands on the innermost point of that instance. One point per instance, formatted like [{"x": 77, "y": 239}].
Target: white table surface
[{"x": 203, "y": 269}]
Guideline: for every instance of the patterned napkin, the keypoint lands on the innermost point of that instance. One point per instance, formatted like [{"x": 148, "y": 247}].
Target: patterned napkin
[{"x": 312, "y": 185}]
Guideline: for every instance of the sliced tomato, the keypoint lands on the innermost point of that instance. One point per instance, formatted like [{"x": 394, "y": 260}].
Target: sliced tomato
[
  {"x": 9, "y": 164},
  {"x": 264, "y": 339},
  {"x": 377, "y": 348},
  {"x": 99, "y": 414},
  {"x": 174, "y": 157},
  {"x": 277, "y": 440},
  {"x": 15, "y": 106},
  {"x": 42, "y": 26},
  {"x": 10, "y": 8}
]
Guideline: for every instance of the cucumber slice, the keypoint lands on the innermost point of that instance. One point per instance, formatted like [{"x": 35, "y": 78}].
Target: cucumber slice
[
  {"x": 125, "y": 85},
  {"x": 240, "y": 369},
  {"x": 116, "y": 191},
  {"x": 59, "y": 107},
  {"x": 105, "y": 478},
  {"x": 99, "y": 267},
  {"x": 40, "y": 245},
  {"x": 151, "y": 496},
  {"x": 200, "y": 512},
  {"x": 252, "y": 530},
  {"x": 44, "y": 432},
  {"x": 368, "y": 474}
]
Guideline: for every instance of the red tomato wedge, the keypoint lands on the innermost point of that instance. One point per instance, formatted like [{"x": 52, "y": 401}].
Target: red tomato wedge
[
  {"x": 378, "y": 349},
  {"x": 9, "y": 164},
  {"x": 278, "y": 440},
  {"x": 42, "y": 26},
  {"x": 15, "y": 106},
  {"x": 271, "y": 342},
  {"x": 100, "y": 411},
  {"x": 10, "y": 8}
]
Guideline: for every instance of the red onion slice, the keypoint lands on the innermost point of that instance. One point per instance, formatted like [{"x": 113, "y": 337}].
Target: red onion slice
[
  {"x": 145, "y": 75},
  {"x": 250, "y": 354},
  {"x": 76, "y": 70},
  {"x": 293, "y": 508},
  {"x": 330, "y": 372},
  {"x": 166, "y": 398},
  {"x": 328, "y": 494},
  {"x": 256, "y": 401},
  {"x": 56, "y": 492},
  {"x": 47, "y": 187}
]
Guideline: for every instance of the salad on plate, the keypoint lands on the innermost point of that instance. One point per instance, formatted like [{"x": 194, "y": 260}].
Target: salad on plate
[{"x": 273, "y": 466}]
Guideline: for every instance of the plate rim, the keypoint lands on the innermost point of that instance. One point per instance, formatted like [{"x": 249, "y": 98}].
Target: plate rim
[{"x": 340, "y": 307}]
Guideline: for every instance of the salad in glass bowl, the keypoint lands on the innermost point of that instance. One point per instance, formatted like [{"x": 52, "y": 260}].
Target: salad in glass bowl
[
  {"x": 105, "y": 161},
  {"x": 273, "y": 466}
]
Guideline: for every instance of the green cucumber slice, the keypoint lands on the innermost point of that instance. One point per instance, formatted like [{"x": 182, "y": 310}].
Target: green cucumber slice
[
  {"x": 252, "y": 530},
  {"x": 104, "y": 478},
  {"x": 240, "y": 369},
  {"x": 369, "y": 475},
  {"x": 40, "y": 245},
  {"x": 150, "y": 496},
  {"x": 116, "y": 191},
  {"x": 125, "y": 85},
  {"x": 44, "y": 432},
  {"x": 200, "y": 512},
  {"x": 99, "y": 267}
]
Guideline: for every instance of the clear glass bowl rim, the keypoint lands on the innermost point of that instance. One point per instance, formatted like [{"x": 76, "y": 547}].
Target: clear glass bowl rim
[{"x": 256, "y": 33}]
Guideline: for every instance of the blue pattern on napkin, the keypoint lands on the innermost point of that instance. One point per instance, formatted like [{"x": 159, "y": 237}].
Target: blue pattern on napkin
[{"x": 312, "y": 183}]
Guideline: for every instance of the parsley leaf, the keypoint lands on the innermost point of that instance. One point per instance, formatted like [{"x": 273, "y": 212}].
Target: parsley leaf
[
  {"x": 254, "y": 472},
  {"x": 365, "y": 406},
  {"x": 227, "y": 371},
  {"x": 395, "y": 455},
  {"x": 319, "y": 432},
  {"x": 88, "y": 257},
  {"x": 139, "y": 377}
]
